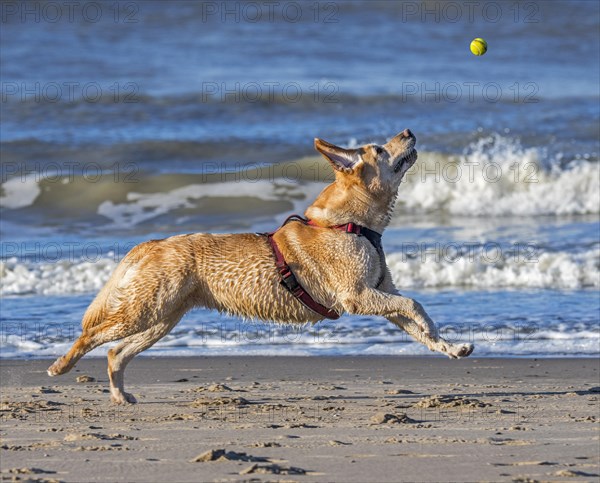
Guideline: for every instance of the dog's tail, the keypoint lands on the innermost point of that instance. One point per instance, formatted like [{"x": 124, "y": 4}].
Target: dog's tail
[
  {"x": 108, "y": 302},
  {"x": 111, "y": 296}
]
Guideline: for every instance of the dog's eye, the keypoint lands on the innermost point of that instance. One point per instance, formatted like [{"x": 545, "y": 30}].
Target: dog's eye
[{"x": 379, "y": 150}]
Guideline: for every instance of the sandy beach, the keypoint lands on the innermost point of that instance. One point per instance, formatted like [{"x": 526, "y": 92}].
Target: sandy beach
[{"x": 304, "y": 419}]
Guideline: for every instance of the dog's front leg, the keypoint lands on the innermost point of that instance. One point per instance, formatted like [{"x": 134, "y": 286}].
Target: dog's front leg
[
  {"x": 430, "y": 338},
  {"x": 407, "y": 314}
]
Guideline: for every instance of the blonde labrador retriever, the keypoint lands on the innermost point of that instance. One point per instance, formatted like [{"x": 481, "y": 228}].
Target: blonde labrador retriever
[{"x": 338, "y": 270}]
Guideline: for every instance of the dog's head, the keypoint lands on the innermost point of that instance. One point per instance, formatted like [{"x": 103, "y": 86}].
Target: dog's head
[
  {"x": 377, "y": 168},
  {"x": 366, "y": 181}
]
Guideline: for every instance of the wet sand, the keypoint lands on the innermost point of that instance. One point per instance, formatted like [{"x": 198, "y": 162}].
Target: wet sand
[{"x": 346, "y": 419}]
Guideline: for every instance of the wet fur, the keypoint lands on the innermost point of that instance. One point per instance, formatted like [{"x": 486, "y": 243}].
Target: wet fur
[{"x": 160, "y": 280}]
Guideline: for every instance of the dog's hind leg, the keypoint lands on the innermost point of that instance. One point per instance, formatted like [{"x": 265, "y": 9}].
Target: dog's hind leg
[
  {"x": 127, "y": 349},
  {"x": 407, "y": 314},
  {"x": 99, "y": 327},
  {"x": 88, "y": 340}
]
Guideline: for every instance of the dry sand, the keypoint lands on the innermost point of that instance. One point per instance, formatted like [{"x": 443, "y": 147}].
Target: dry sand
[{"x": 304, "y": 419}]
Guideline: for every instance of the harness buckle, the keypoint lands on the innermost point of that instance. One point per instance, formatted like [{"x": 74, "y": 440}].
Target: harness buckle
[
  {"x": 289, "y": 281},
  {"x": 353, "y": 228}
]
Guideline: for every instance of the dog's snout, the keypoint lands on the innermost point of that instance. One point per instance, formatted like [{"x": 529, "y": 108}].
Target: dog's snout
[{"x": 407, "y": 133}]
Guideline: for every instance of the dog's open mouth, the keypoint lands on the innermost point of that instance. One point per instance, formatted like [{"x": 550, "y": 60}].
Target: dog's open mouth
[{"x": 409, "y": 157}]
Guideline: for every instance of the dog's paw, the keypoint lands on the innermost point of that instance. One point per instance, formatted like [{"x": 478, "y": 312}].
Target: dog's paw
[
  {"x": 57, "y": 368},
  {"x": 460, "y": 351},
  {"x": 122, "y": 397}
]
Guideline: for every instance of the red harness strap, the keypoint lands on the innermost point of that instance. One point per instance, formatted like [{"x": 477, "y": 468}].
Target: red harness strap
[{"x": 288, "y": 279}]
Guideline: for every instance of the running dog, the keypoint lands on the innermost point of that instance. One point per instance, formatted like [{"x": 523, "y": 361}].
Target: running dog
[{"x": 312, "y": 268}]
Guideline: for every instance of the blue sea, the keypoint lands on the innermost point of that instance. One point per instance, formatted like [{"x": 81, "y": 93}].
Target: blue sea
[{"x": 126, "y": 121}]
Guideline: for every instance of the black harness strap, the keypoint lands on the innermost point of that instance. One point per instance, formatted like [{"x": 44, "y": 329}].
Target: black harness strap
[{"x": 289, "y": 280}]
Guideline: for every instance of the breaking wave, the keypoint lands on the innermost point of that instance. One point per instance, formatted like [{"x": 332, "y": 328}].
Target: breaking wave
[
  {"x": 480, "y": 270},
  {"x": 495, "y": 177},
  {"x": 498, "y": 177}
]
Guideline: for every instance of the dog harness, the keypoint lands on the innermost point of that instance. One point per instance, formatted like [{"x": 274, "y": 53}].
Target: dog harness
[{"x": 289, "y": 280}]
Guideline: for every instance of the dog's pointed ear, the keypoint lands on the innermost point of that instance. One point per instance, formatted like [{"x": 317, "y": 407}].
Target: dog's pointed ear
[{"x": 344, "y": 160}]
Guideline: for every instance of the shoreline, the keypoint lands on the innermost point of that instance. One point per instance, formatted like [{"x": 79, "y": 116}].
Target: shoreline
[
  {"x": 323, "y": 418},
  {"x": 426, "y": 356}
]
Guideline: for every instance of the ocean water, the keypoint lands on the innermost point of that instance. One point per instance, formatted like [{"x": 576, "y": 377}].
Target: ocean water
[{"x": 140, "y": 120}]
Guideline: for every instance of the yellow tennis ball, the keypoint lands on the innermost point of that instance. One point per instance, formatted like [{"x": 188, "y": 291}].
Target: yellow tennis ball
[{"x": 478, "y": 46}]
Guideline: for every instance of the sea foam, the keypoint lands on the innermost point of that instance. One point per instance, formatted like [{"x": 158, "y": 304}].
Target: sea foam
[
  {"x": 497, "y": 176},
  {"x": 556, "y": 270}
]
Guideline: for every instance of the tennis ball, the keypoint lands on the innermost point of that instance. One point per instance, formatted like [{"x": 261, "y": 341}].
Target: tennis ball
[{"x": 478, "y": 46}]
